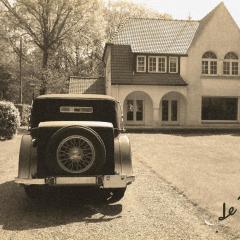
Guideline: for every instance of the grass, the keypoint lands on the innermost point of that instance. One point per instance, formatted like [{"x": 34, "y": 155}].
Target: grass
[{"x": 205, "y": 167}]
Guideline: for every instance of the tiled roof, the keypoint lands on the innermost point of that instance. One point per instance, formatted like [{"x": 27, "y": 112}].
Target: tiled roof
[
  {"x": 157, "y": 35},
  {"x": 163, "y": 79},
  {"x": 86, "y": 85}
]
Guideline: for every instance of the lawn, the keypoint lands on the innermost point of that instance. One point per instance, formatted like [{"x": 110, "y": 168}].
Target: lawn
[{"x": 206, "y": 168}]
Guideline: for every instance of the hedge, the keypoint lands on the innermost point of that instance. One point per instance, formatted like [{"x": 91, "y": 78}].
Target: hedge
[
  {"x": 25, "y": 111},
  {"x": 9, "y": 120}
]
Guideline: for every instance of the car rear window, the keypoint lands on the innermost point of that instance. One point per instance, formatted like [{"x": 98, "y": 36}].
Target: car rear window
[{"x": 74, "y": 109}]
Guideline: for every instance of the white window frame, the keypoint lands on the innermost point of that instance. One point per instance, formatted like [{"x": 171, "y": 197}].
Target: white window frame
[
  {"x": 176, "y": 64},
  {"x": 134, "y": 121},
  {"x": 137, "y": 70},
  {"x": 209, "y": 60},
  {"x": 231, "y": 61},
  {"x": 231, "y": 67},
  {"x": 207, "y": 66},
  {"x": 149, "y": 64},
  {"x": 157, "y": 64},
  {"x": 165, "y": 64}
]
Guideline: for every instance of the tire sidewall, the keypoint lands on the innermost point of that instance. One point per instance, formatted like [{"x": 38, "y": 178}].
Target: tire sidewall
[
  {"x": 60, "y": 135},
  {"x": 113, "y": 195}
]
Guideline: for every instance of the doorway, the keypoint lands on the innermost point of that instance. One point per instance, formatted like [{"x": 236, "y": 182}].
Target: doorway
[{"x": 135, "y": 111}]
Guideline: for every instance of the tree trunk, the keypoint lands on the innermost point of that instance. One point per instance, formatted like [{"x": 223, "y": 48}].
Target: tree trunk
[
  {"x": 43, "y": 87},
  {"x": 45, "y": 59},
  {"x": 76, "y": 67}
]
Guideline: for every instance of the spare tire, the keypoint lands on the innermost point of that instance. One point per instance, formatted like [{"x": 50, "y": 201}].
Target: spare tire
[{"x": 75, "y": 150}]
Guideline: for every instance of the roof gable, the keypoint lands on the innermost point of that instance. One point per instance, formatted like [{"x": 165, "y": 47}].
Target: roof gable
[
  {"x": 219, "y": 8},
  {"x": 157, "y": 35},
  {"x": 218, "y": 11}
]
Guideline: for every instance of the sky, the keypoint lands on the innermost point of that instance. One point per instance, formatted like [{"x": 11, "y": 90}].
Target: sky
[{"x": 197, "y": 9}]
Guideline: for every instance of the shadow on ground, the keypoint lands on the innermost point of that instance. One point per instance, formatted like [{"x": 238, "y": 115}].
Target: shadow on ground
[{"x": 58, "y": 207}]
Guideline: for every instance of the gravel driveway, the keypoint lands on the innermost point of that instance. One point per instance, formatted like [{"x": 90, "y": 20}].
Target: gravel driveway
[{"x": 152, "y": 207}]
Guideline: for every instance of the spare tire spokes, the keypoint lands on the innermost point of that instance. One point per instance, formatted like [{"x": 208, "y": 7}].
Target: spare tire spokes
[{"x": 75, "y": 154}]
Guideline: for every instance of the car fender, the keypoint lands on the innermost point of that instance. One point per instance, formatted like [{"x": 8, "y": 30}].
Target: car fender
[
  {"x": 122, "y": 155},
  {"x": 27, "y": 158}
]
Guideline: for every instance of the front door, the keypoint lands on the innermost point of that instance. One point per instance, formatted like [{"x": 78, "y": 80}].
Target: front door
[
  {"x": 135, "y": 111},
  {"x": 170, "y": 111}
]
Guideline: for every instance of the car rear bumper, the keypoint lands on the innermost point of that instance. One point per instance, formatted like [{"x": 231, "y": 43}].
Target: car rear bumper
[{"x": 106, "y": 181}]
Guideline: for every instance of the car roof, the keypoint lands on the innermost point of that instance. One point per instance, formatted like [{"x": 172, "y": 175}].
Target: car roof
[{"x": 77, "y": 96}]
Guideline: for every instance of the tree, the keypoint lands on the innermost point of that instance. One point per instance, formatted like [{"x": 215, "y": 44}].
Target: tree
[
  {"x": 81, "y": 52},
  {"x": 60, "y": 38},
  {"x": 48, "y": 23},
  {"x": 5, "y": 78}
]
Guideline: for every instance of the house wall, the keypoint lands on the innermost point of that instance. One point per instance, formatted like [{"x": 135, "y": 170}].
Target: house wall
[
  {"x": 155, "y": 93},
  {"x": 121, "y": 63},
  {"x": 220, "y": 35},
  {"x": 217, "y": 33},
  {"x": 148, "y": 106}
]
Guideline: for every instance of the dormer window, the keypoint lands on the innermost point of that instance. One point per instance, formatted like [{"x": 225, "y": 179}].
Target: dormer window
[
  {"x": 152, "y": 64},
  {"x": 162, "y": 64},
  {"x": 173, "y": 64},
  {"x": 157, "y": 64},
  {"x": 209, "y": 63},
  {"x": 230, "y": 64},
  {"x": 141, "y": 63}
]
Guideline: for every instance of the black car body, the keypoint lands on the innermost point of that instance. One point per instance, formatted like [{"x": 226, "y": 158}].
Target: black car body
[{"x": 75, "y": 140}]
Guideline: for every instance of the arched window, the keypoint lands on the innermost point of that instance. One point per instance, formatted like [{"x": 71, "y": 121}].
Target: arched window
[
  {"x": 230, "y": 64},
  {"x": 209, "y": 63},
  {"x": 209, "y": 55}
]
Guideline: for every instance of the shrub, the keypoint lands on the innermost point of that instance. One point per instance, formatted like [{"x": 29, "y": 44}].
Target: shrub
[
  {"x": 9, "y": 120},
  {"x": 25, "y": 111}
]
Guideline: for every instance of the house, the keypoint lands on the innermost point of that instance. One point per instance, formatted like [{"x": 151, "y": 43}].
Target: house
[{"x": 176, "y": 72}]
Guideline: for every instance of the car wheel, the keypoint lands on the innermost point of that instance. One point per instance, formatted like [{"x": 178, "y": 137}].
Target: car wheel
[
  {"x": 76, "y": 150},
  {"x": 114, "y": 195}
]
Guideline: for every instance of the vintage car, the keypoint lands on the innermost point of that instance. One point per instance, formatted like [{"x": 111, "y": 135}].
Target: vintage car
[{"x": 75, "y": 139}]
